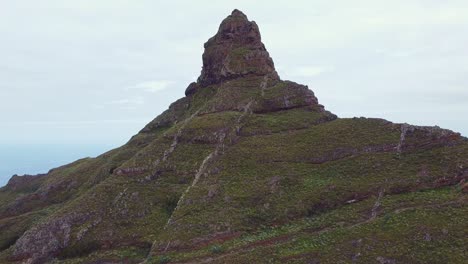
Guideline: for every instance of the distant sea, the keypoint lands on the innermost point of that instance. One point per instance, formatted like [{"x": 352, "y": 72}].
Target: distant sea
[{"x": 35, "y": 159}]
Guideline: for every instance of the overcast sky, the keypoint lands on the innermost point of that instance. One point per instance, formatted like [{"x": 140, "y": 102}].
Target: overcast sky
[{"x": 95, "y": 72}]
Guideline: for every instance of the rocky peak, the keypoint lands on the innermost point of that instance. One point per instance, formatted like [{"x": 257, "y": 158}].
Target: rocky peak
[{"x": 236, "y": 50}]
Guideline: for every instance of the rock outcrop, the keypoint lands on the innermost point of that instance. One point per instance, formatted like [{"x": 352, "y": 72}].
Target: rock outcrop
[
  {"x": 235, "y": 51},
  {"x": 25, "y": 182}
]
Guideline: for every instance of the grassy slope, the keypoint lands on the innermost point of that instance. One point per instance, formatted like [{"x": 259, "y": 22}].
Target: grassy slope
[
  {"x": 418, "y": 227},
  {"x": 292, "y": 185},
  {"x": 271, "y": 201},
  {"x": 273, "y": 180}
]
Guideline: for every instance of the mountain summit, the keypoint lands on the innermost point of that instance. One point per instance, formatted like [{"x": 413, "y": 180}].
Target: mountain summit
[
  {"x": 235, "y": 51},
  {"x": 248, "y": 168}
]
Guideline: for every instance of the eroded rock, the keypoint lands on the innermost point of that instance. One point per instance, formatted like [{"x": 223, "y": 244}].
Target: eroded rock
[
  {"x": 236, "y": 50},
  {"x": 45, "y": 240}
]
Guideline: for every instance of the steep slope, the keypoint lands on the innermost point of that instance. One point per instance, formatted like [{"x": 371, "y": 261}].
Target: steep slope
[{"x": 248, "y": 168}]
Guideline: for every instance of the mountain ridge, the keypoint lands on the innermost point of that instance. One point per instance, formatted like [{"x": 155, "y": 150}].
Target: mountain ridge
[{"x": 247, "y": 168}]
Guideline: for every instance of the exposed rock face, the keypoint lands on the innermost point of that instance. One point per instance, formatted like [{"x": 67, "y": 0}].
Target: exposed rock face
[
  {"x": 17, "y": 182},
  {"x": 191, "y": 89},
  {"x": 236, "y": 50},
  {"x": 47, "y": 239}
]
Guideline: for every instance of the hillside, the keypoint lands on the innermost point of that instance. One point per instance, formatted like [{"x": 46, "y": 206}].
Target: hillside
[{"x": 248, "y": 168}]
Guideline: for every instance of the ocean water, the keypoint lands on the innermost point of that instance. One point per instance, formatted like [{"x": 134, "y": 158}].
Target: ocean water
[{"x": 40, "y": 158}]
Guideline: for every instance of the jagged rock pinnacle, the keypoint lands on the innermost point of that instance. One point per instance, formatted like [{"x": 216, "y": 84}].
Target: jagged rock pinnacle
[{"x": 236, "y": 50}]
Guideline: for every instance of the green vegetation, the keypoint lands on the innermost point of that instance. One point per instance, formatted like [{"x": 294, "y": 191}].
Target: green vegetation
[
  {"x": 159, "y": 260},
  {"x": 80, "y": 249},
  {"x": 236, "y": 174},
  {"x": 216, "y": 249}
]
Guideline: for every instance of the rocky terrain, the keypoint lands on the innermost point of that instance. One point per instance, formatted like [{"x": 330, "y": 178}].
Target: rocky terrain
[{"x": 248, "y": 168}]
